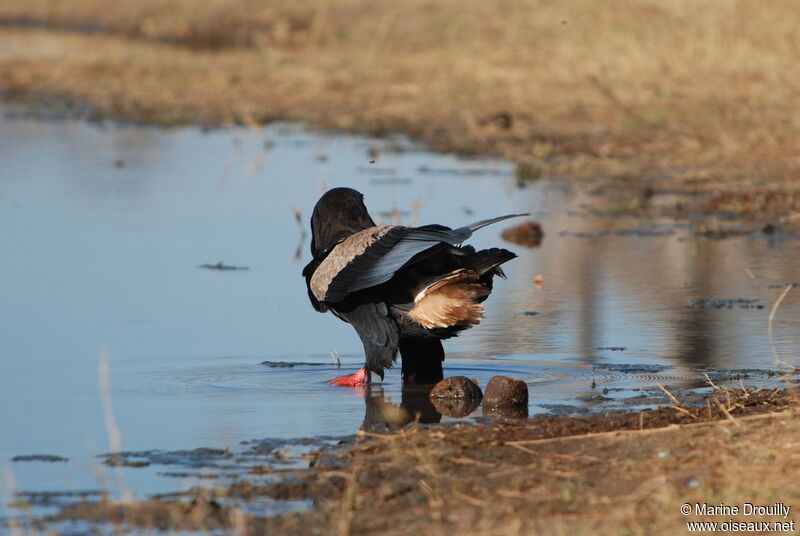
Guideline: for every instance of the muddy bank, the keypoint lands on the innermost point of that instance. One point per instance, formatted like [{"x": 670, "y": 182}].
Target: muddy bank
[
  {"x": 624, "y": 472},
  {"x": 563, "y": 90}
]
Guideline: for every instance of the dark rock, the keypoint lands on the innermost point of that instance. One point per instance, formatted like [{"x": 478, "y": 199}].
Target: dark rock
[
  {"x": 456, "y": 387},
  {"x": 502, "y": 391},
  {"x": 528, "y": 233},
  {"x": 457, "y": 396}
]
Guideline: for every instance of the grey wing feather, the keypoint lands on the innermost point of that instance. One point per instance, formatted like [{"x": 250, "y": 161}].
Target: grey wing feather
[
  {"x": 376, "y": 266},
  {"x": 454, "y": 237},
  {"x": 378, "y": 334}
]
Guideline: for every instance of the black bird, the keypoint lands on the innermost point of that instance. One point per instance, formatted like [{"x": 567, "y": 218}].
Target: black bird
[{"x": 401, "y": 288}]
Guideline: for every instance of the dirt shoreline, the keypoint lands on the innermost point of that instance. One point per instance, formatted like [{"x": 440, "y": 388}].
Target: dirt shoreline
[
  {"x": 683, "y": 97},
  {"x": 618, "y": 473}
]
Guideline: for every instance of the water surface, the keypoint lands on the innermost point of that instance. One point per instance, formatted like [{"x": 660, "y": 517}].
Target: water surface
[{"x": 104, "y": 226}]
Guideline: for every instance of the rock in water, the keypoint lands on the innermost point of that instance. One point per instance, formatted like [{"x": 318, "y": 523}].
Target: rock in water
[
  {"x": 502, "y": 391},
  {"x": 457, "y": 387},
  {"x": 528, "y": 233},
  {"x": 457, "y": 396}
]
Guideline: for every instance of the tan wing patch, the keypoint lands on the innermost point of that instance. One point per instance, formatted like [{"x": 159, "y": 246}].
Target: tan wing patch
[
  {"x": 450, "y": 301},
  {"x": 343, "y": 254}
]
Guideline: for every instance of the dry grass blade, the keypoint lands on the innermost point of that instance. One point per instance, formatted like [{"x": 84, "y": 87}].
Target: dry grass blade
[
  {"x": 670, "y": 395},
  {"x": 725, "y": 411},
  {"x": 11, "y": 486},
  {"x": 472, "y": 500},
  {"x": 772, "y": 317},
  {"x": 347, "y": 506},
  {"x": 114, "y": 434},
  {"x": 711, "y": 383}
]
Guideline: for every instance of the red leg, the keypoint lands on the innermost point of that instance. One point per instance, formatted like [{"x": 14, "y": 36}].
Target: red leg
[{"x": 359, "y": 379}]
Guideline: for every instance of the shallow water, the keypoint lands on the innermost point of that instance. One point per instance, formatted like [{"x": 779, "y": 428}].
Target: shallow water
[{"x": 104, "y": 227}]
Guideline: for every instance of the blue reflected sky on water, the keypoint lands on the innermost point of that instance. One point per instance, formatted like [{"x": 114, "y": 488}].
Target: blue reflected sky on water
[{"x": 104, "y": 225}]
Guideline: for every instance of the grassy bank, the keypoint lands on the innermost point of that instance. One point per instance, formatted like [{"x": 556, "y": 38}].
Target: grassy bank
[
  {"x": 685, "y": 96},
  {"x": 624, "y": 473}
]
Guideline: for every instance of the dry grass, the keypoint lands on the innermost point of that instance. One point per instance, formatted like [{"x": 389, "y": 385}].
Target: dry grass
[
  {"x": 613, "y": 474},
  {"x": 690, "y": 95}
]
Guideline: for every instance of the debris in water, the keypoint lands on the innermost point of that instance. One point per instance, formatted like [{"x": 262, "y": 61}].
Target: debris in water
[
  {"x": 221, "y": 266},
  {"x": 39, "y": 458},
  {"x": 741, "y": 303},
  {"x": 528, "y": 233},
  {"x": 287, "y": 364}
]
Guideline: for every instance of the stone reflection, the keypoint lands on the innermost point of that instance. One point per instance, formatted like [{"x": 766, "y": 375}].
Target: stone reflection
[{"x": 382, "y": 415}]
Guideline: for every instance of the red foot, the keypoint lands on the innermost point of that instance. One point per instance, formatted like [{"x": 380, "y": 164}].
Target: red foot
[{"x": 359, "y": 379}]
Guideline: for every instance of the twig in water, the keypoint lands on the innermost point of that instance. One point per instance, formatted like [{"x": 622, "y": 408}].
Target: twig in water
[
  {"x": 670, "y": 395},
  {"x": 114, "y": 435},
  {"x": 741, "y": 384},
  {"x": 772, "y": 316},
  {"x": 712, "y": 384},
  {"x": 11, "y": 486},
  {"x": 415, "y": 206},
  {"x": 298, "y": 218},
  {"x": 335, "y": 356},
  {"x": 677, "y": 405}
]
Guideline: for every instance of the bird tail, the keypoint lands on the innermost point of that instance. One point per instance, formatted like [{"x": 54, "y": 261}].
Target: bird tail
[
  {"x": 483, "y": 223},
  {"x": 488, "y": 260},
  {"x": 450, "y": 302}
]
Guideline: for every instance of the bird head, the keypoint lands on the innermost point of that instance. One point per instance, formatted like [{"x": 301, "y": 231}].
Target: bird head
[{"x": 339, "y": 213}]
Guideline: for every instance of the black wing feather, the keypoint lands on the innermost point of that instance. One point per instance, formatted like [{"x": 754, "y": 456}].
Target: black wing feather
[{"x": 382, "y": 259}]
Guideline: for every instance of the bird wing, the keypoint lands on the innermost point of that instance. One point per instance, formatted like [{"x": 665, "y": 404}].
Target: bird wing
[{"x": 372, "y": 256}]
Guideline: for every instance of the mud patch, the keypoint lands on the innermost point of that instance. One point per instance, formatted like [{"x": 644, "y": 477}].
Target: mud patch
[{"x": 739, "y": 303}]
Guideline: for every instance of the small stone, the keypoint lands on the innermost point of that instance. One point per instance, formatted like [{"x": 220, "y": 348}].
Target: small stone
[
  {"x": 528, "y": 233},
  {"x": 502, "y": 391},
  {"x": 457, "y": 396},
  {"x": 456, "y": 387}
]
